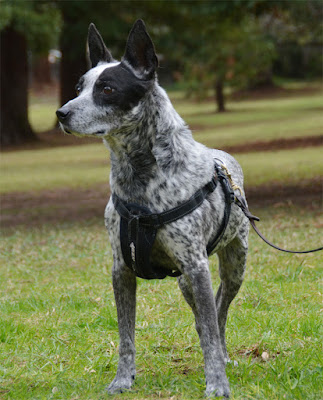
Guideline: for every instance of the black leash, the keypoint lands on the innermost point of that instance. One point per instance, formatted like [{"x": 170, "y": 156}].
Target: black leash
[{"x": 240, "y": 201}]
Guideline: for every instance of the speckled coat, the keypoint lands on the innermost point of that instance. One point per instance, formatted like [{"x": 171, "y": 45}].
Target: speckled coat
[{"x": 155, "y": 162}]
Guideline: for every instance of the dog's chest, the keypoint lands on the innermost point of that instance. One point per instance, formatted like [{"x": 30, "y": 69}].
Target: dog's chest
[{"x": 167, "y": 249}]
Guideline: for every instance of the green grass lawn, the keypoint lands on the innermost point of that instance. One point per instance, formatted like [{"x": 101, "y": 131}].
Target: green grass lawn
[
  {"x": 87, "y": 165},
  {"x": 50, "y": 168},
  {"x": 253, "y": 120},
  {"x": 58, "y": 327}
]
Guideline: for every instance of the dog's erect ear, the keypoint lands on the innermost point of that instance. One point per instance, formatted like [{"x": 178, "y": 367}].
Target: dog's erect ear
[
  {"x": 140, "y": 52},
  {"x": 97, "y": 48}
]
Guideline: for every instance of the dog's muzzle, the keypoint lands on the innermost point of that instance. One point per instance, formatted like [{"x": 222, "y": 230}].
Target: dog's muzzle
[{"x": 63, "y": 116}]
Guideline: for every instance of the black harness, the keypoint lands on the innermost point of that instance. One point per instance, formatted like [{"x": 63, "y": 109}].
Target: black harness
[{"x": 138, "y": 227}]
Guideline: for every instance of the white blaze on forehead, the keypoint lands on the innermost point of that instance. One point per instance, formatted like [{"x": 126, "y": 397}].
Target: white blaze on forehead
[{"x": 92, "y": 75}]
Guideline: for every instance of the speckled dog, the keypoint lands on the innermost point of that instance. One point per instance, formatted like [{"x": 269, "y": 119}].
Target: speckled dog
[{"x": 156, "y": 163}]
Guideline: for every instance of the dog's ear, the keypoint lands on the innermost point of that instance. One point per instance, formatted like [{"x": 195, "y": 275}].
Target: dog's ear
[
  {"x": 97, "y": 49},
  {"x": 140, "y": 52}
]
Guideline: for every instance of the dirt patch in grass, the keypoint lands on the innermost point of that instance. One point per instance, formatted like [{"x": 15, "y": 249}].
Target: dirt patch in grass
[
  {"x": 273, "y": 92},
  {"x": 70, "y": 205},
  {"x": 306, "y": 194},
  {"x": 56, "y": 138},
  {"x": 52, "y": 138},
  {"x": 276, "y": 144},
  {"x": 52, "y": 206}
]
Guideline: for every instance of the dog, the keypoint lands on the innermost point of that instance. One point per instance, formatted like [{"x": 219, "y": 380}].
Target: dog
[{"x": 156, "y": 163}]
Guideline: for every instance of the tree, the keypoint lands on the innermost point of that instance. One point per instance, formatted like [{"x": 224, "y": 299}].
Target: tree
[
  {"x": 230, "y": 47},
  {"x": 296, "y": 29},
  {"x": 23, "y": 25},
  {"x": 14, "y": 128},
  {"x": 111, "y": 19}
]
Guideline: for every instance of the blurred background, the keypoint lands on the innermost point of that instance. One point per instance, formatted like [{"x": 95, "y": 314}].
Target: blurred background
[{"x": 246, "y": 75}]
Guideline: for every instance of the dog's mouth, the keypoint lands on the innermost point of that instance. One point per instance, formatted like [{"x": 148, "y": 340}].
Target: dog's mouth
[
  {"x": 68, "y": 132},
  {"x": 64, "y": 129}
]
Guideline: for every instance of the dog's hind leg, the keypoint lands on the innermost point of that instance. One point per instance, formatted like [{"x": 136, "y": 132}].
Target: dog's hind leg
[
  {"x": 232, "y": 264},
  {"x": 124, "y": 285},
  {"x": 197, "y": 290}
]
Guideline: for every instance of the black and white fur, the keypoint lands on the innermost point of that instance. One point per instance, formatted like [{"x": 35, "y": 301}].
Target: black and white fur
[{"x": 156, "y": 162}]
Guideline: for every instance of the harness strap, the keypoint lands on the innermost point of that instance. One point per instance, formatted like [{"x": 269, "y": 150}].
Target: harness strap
[
  {"x": 157, "y": 220},
  {"x": 138, "y": 226},
  {"x": 228, "y": 199}
]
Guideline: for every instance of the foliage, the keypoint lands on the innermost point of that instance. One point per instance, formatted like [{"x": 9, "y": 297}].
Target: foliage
[
  {"x": 293, "y": 21},
  {"x": 236, "y": 42},
  {"x": 220, "y": 42},
  {"x": 40, "y": 21},
  {"x": 236, "y": 53},
  {"x": 296, "y": 29}
]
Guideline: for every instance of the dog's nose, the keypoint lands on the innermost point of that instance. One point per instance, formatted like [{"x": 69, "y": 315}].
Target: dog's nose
[{"x": 62, "y": 114}]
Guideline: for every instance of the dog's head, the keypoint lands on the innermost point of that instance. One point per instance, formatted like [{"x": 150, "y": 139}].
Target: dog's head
[{"x": 109, "y": 93}]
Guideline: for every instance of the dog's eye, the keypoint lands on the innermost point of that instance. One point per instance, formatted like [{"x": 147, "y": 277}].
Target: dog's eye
[
  {"x": 108, "y": 90},
  {"x": 78, "y": 90}
]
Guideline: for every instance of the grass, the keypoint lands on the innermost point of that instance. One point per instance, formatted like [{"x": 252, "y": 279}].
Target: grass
[
  {"x": 290, "y": 166},
  {"x": 42, "y": 107},
  {"x": 73, "y": 166},
  {"x": 253, "y": 120},
  {"x": 83, "y": 166},
  {"x": 59, "y": 338},
  {"x": 58, "y": 324}
]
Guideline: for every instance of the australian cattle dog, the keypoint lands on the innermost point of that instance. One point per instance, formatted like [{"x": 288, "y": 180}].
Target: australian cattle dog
[{"x": 158, "y": 170}]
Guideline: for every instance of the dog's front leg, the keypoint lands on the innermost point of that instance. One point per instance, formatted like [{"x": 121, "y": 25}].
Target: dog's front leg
[
  {"x": 199, "y": 280},
  {"x": 124, "y": 286}
]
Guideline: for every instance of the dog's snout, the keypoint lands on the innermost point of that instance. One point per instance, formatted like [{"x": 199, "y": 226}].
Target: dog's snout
[{"x": 62, "y": 114}]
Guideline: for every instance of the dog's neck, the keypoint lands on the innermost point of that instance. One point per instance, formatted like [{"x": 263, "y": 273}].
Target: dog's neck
[{"x": 144, "y": 148}]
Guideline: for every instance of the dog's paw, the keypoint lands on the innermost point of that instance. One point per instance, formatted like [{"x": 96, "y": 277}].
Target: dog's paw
[
  {"x": 120, "y": 384},
  {"x": 220, "y": 389}
]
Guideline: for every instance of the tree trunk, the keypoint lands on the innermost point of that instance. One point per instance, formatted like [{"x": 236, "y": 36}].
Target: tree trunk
[
  {"x": 41, "y": 74},
  {"x": 14, "y": 125},
  {"x": 71, "y": 69},
  {"x": 219, "y": 95},
  {"x": 73, "y": 63}
]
